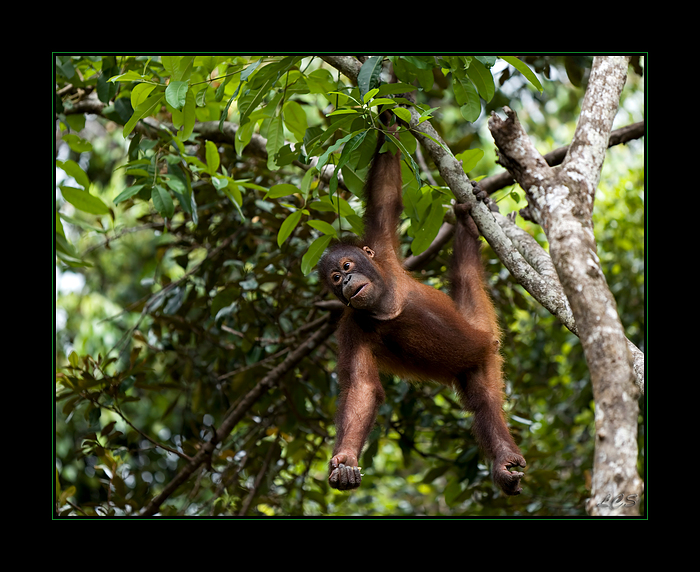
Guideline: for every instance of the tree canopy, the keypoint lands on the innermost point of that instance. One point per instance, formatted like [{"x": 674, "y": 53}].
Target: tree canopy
[{"x": 194, "y": 342}]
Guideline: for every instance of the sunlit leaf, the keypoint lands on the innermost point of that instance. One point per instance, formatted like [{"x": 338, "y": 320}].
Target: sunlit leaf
[
  {"x": 470, "y": 158},
  {"x": 288, "y": 226},
  {"x": 74, "y": 170},
  {"x": 212, "y": 156},
  {"x": 523, "y": 68},
  {"x": 313, "y": 255},
  {"x": 176, "y": 93},
  {"x": 84, "y": 201},
  {"x": 145, "y": 109},
  {"x": 281, "y": 190}
]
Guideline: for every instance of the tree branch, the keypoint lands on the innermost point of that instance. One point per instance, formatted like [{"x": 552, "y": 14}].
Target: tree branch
[
  {"x": 497, "y": 182},
  {"x": 349, "y": 66},
  {"x": 562, "y": 202},
  {"x": 553, "y": 158}
]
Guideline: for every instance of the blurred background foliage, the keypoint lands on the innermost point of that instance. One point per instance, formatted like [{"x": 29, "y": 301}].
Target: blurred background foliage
[{"x": 174, "y": 299}]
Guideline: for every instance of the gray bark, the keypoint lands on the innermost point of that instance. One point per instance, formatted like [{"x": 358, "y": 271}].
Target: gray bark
[{"x": 561, "y": 201}]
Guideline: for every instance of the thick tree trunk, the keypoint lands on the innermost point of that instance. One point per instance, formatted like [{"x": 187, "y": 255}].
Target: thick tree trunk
[{"x": 561, "y": 201}]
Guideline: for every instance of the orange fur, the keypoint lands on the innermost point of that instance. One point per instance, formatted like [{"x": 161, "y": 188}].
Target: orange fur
[{"x": 398, "y": 325}]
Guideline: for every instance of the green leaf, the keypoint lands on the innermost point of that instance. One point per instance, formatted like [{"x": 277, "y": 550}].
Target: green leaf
[
  {"x": 64, "y": 66},
  {"x": 74, "y": 359},
  {"x": 59, "y": 225},
  {"x": 76, "y": 143},
  {"x": 249, "y": 70},
  {"x": 128, "y": 193},
  {"x": 482, "y": 78},
  {"x": 261, "y": 84},
  {"x": 420, "y": 62},
  {"x": 381, "y": 101},
  {"x": 313, "y": 255},
  {"x": 223, "y": 299},
  {"x": 434, "y": 473},
  {"x": 322, "y": 226},
  {"x": 350, "y": 146},
  {"x": 281, "y": 190},
  {"x": 288, "y": 226},
  {"x": 295, "y": 119},
  {"x": 220, "y": 183},
  {"x": 463, "y": 89},
  {"x": 370, "y": 94},
  {"x": 320, "y": 81},
  {"x": 212, "y": 156},
  {"x": 426, "y": 114},
  {"x": 189, "y": 117},
  {"x": 467, "y": 97},
  {"x": 368, "y": 77},
  {"x": 106, "y": 90},
  {"x": 402, "y": 113},
  {"x": 162, "y": 201},
  {"x": 470, "y": 158},
  {"x": 243, "y": 136},
  {"x": 305, "y": 184},
  {"x": 178, "y": 67},
  {"x": 406, "y": 154},
  {"x": 343, "y": 112},
  {"x": 275, "y": 140},
  {"x": 525, "y": 70},
  {"x": 488, "y": 61},
  {"x": 130, "y": 76},
  {"x": 140, "y": 93},
  {"x": 235, "y": 196},
  {"x": 366, "y": 151},
  {"x": 143, "y": 110},
  {"x": 391, "y": 88},
  {"x": 330, "y": 204},
  {"x": 84, "y": 201},
  {"x": 343, "y": 94},
  {"x": 176, "y": 93},
  {"x": 185, "y": 68},
  {"x": 428, "y": 228},
  {"x": 76, "y": 122},
  {"x": 323, "y": 159},
  {"x": 224, "y": 112},
  {"x": 74, "y": 170}
]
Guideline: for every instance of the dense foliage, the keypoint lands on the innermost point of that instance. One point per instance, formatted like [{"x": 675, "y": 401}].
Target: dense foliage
[{"x": 194, "y": 197}]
